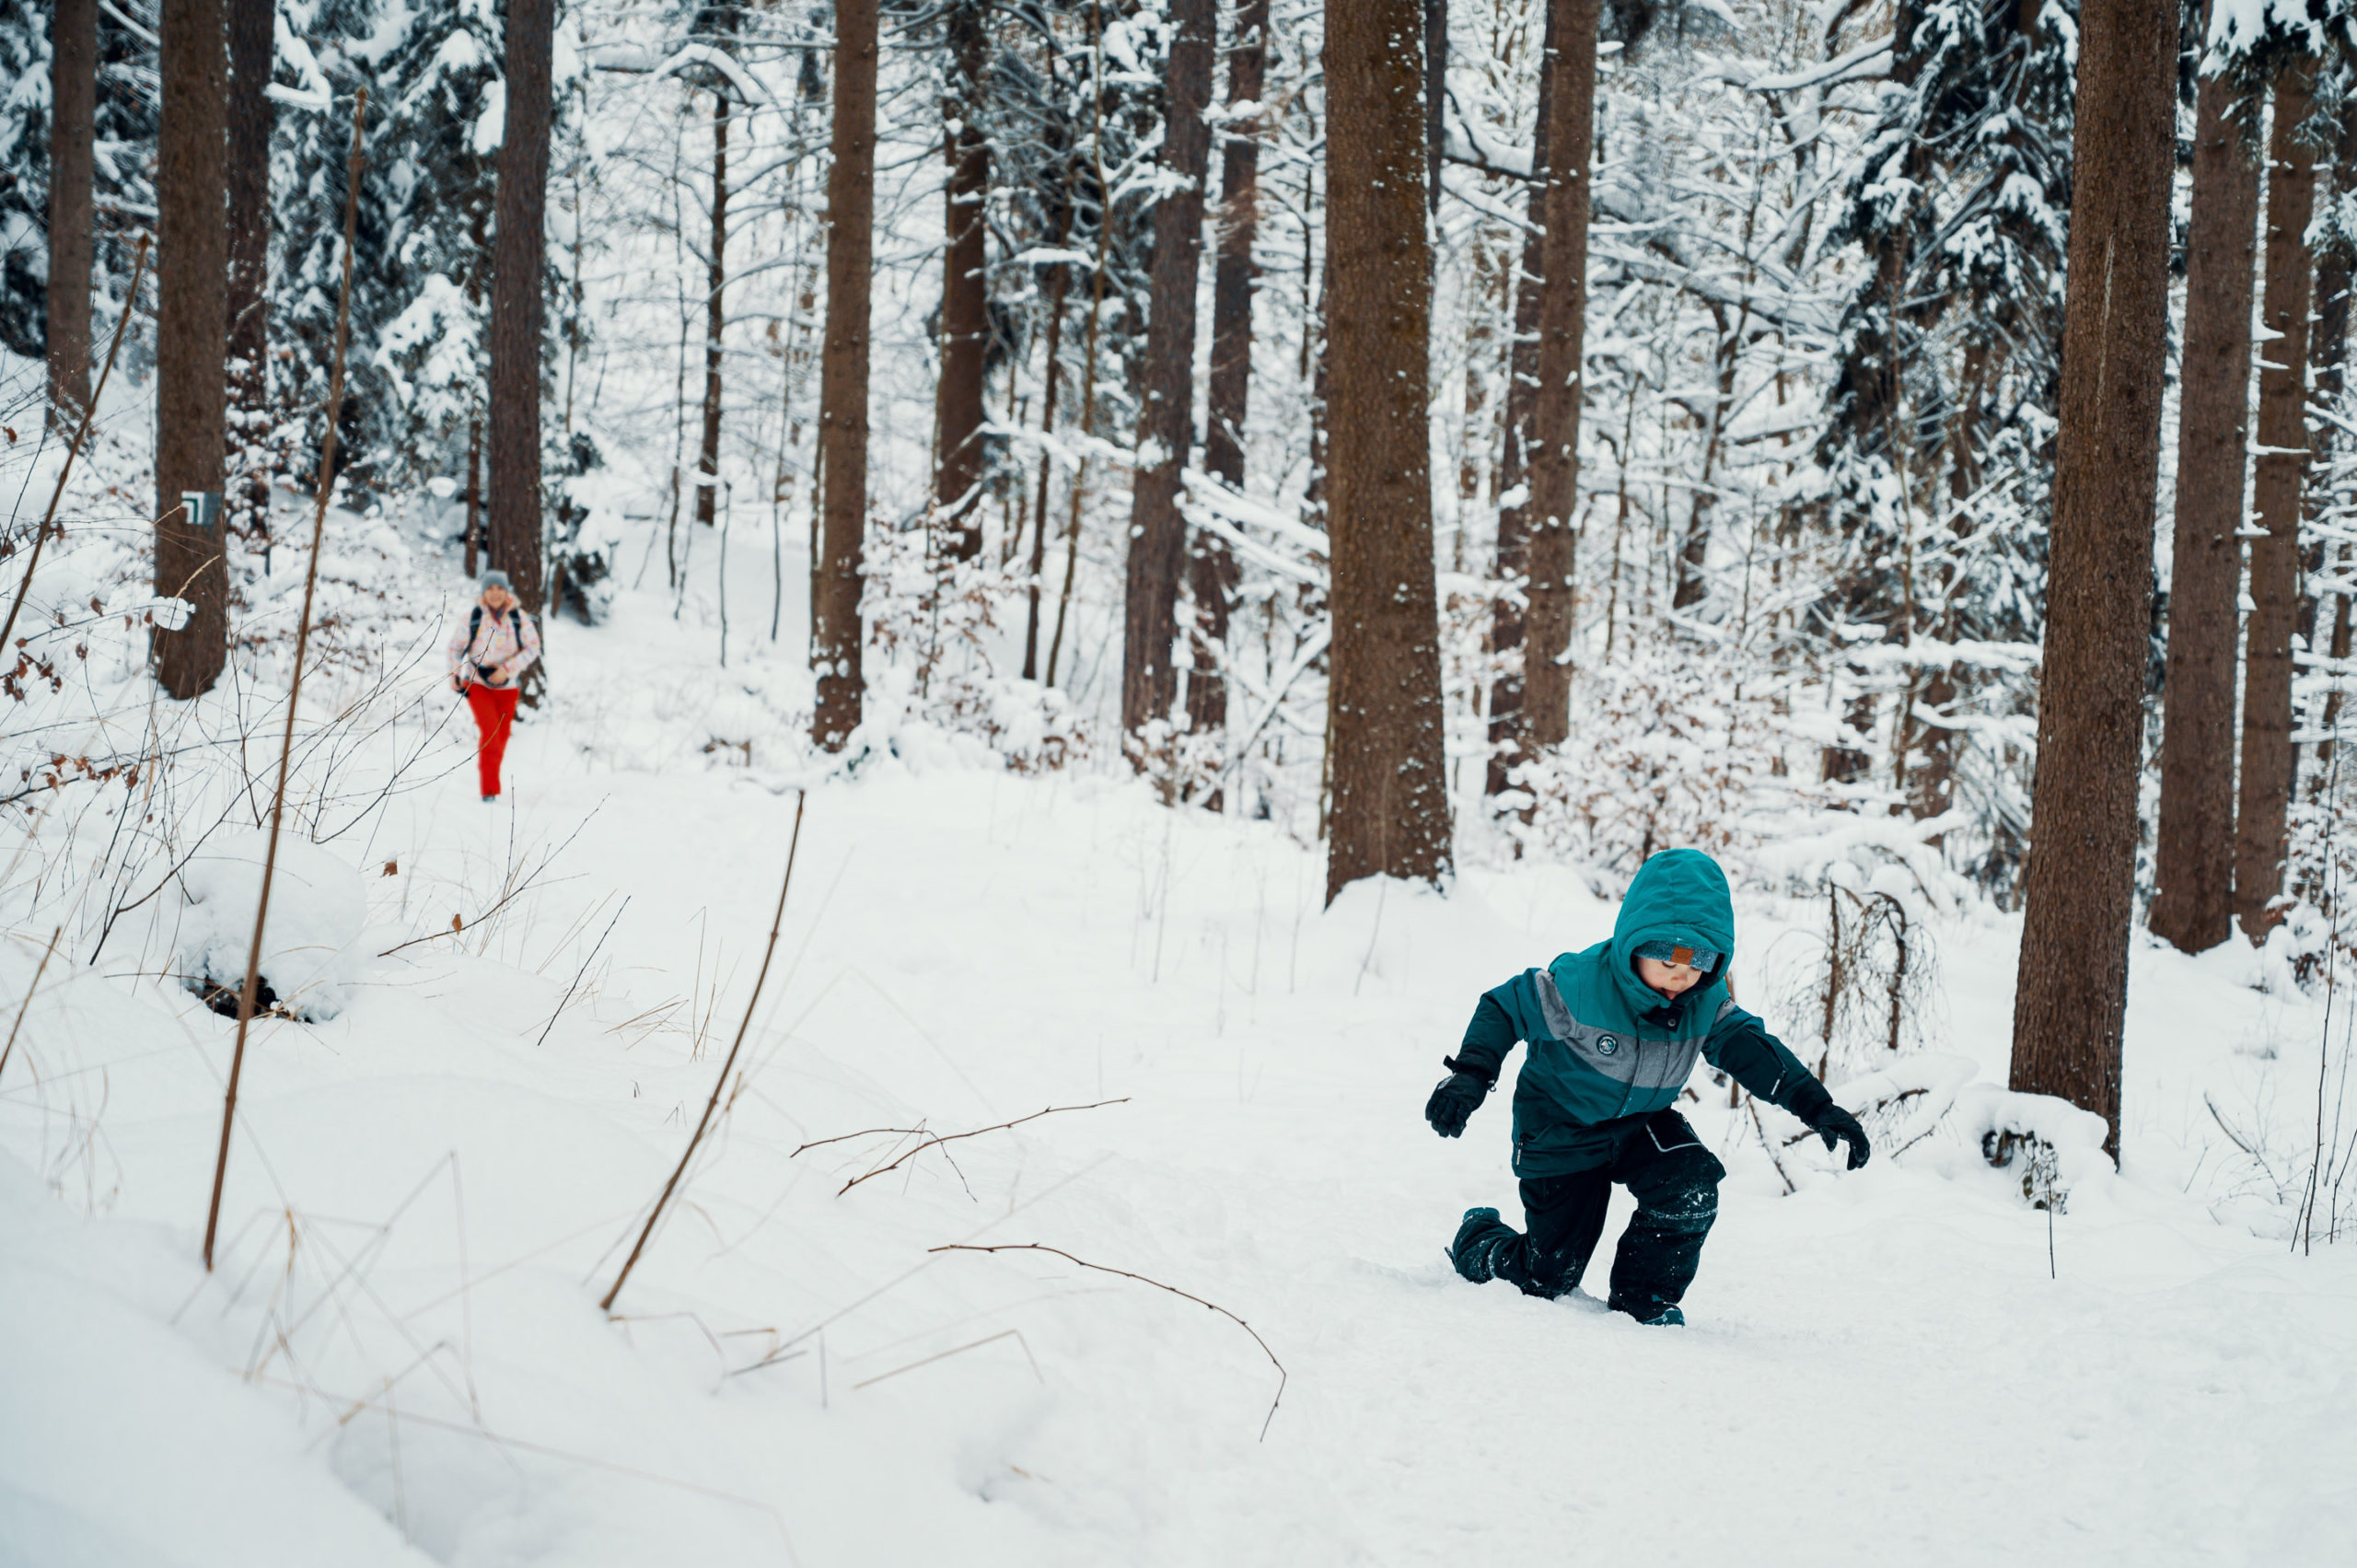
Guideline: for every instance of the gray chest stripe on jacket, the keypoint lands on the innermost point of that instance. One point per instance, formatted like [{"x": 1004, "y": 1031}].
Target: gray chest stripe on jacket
[{"x": 1639, "y": 1063}]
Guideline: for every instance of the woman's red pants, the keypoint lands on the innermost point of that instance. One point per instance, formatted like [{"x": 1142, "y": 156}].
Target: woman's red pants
[{"x": 494, "y": 710}]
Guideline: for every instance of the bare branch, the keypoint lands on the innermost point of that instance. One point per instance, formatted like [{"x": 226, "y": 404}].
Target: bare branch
[{"x": 1036, "y": 1247}]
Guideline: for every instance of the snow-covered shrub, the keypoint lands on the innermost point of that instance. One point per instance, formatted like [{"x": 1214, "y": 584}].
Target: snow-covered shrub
[
  {"x": 1666, "y": 749},
  {"x": 942, "y": 624},
  {"x": 1865, "y": 994},
  {"x": 309, "y": 946}
]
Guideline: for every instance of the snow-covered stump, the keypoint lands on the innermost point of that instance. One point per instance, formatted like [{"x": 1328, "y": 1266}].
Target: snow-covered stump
[{"x": 310, "y": 948}]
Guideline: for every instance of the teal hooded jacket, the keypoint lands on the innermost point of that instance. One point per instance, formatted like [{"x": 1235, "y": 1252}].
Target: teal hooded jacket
[{"x": 1607, "y": 1049}]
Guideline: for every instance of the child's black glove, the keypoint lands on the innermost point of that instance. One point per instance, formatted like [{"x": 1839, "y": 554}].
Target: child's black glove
[
  {"x": 1835, "y": 1125},
  {"x": 1459, "y": 1095}
]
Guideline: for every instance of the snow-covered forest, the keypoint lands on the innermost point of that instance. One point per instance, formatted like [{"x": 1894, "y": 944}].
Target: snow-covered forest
[{"x": 1102, "y": 569}]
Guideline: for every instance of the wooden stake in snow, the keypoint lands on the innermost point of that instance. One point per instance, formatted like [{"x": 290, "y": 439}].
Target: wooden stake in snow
[
  {"x": 295, "y": 687},
  {"x": 81, "y": 431},
  {"x": 800, "y": 800}
]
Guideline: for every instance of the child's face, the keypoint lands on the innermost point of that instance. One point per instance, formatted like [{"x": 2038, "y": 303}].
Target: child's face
[{"x": 1670, "y": 980}]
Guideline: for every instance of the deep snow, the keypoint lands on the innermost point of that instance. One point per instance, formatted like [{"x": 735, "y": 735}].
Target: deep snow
[{"x": 400, "y": 1358}]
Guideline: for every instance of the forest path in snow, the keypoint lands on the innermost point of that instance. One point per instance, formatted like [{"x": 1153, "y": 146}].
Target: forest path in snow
[{"x": 1879, "y": 1368}]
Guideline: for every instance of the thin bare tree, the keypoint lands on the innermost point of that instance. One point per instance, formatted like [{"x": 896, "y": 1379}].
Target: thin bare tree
[
  {"x": 2269, "y": 759},
  {"x": 965, "y": 282},
  {"x": 2193, "y": 852},
  {"x": 1555, "y": 410},
  {"x": 1212, "y": 568},
  {"x": 721, "y": 22},
  {"x": 1508, "y": 626},
  {"x": 1165, "y": 424},
  {"x": 72, "y": 110},
  {"x": 251, "y": 115},
  {"x": 835, "y": 633}
]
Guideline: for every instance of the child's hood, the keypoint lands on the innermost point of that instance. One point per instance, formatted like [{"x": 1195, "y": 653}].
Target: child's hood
[{"x": 1679, "y": 895}]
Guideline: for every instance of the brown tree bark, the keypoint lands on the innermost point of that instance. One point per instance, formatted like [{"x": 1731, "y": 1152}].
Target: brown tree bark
[
  {"x": 517, "y": 262},
  {"x": 835, "y": 635},
  {"x": 2267, "y": 756},
  {"x": 251, "y": 116},
  {"x": 1390, "y": 796},
  {"x": 1166, "y": 424},
  {"x": 2073, "y": 979},
  {"x": 1212, "y": 570},
  {"x": 2193, "y": 851},
  {"x": 716, "y": 314},
  {"x": 474, "y": 496},
  {"x": 1435, "y": 96},
  {"x": 1508, "y": 625},
  {"x": 72, "y": 108},
  {"x": 192, "y": 338},
  {"x": 1057, "y": 284},
  {"x": 2328, "y": 362},
  {"x": 965, "y": 284},
  {"x": 1555, "y": 412}
]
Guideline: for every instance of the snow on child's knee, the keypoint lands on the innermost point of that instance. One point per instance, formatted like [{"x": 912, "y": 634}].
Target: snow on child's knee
[{"x": 309, "y": 949}]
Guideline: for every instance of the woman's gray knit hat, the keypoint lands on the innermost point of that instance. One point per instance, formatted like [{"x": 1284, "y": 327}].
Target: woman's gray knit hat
[{"x": 496, "y": 579}]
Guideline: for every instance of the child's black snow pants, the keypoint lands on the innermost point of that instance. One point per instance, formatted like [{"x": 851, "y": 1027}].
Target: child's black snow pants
[{"x": 1676, "y": 1183}]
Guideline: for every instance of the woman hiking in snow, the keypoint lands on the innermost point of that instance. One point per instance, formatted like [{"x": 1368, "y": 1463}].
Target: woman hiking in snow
[
  {"x": 488, "y": 655},
  {"x": 1613, "y": 1033}
]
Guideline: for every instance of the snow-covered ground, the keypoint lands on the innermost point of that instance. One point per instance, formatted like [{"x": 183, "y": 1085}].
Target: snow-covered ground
[{"x": 401, "y": 1358}]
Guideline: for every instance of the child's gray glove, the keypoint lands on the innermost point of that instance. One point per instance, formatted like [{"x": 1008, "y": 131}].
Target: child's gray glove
[
  {"x": 1835, "y": 1125},
  {"x": 1459, "y": 1095}
]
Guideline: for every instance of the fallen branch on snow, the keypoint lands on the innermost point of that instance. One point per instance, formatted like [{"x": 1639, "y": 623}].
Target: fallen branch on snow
[{"x": 1036, "y": 1247}]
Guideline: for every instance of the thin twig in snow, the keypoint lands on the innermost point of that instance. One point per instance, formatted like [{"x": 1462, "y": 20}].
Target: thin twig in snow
[
  {"x": 578, "y": 973},
  {"x": 22, "y": 1008},
  {"x": 950, "y": 1138},
  {"x": 1103, "y": 1269},
  {"x": 655, "y": 1216}
]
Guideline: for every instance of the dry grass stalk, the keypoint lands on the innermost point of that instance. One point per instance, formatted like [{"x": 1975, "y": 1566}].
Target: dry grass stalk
[
  {"x": 26, "y": 1006},
  {"x": 294, "y": 690},
  {"x": 721, "y": 1082}
]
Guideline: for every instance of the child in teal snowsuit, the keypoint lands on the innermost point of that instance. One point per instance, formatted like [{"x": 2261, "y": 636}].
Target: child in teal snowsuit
[{"x": 1613, "y": 1033}]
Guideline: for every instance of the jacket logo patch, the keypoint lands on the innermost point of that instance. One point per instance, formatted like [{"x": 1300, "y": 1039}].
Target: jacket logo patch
[{"x": 1606, "y": 1045}]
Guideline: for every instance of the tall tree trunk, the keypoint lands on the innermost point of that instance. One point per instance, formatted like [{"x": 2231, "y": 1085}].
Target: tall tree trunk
[
  {"x": 716, "y": 316},
  {"x": 1694, "y": 553},
  {"x": 251, "y": 116},
  {"x": 1166, "y": 425},
  {"x": 835, "y": 635},
  {"x": 1213, "y": 572},
  {"x": 1390, "y": 788},
  {"x": 1508, "y": 625},
  {"x": 191, "y": 339},
  {"x": 2073, "y": 979},
  {"x": 72, "y": 108},
  {"x": 517, "y": 263},
  {"x": 2193, "y": 852},
  {"x": 1435, "y": 96},
  {"x": 2327, "y": 359},
  {"x": 1555, "y": 413},
  {"x": 965, "y": 284},
  {"x": 1057, "y": 284},
  {"x": 2267, "y": 756}
]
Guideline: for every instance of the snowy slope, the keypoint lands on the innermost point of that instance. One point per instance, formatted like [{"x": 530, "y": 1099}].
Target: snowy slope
[{"x": 427, "y": 1197}]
